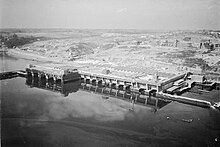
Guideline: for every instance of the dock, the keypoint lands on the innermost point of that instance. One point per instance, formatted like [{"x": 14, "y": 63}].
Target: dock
[
  {"x": 12, "y": 74},
  {"x": 8, "y": 75},
  {"x": 186, "y": 100}
]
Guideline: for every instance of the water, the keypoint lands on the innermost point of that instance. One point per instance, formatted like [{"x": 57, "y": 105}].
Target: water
[{"x": 33, "y": 116}]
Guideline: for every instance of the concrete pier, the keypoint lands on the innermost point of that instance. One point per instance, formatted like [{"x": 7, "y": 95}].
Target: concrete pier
[
  {"x": 8, "y": 75},
  {"x": 187, "y": 100},
  {"x": 12, "y": 74}
]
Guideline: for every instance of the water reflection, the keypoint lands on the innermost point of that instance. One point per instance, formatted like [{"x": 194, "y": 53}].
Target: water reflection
[
  {"x": 64, "y": 89},
  {"x": 104, "y": 90}
]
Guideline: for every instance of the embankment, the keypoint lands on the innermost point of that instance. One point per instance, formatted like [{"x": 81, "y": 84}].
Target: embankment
[{"x": 28, "y": 55}]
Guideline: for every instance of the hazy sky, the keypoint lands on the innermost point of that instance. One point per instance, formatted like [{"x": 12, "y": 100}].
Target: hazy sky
[{"x": 110, "y": 14}]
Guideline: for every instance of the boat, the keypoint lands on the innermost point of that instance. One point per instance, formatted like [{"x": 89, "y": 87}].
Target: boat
[{"x": 217, "y": 105}]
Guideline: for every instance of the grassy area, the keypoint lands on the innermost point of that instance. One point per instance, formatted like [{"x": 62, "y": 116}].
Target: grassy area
[{"x": 13, "y": 40}]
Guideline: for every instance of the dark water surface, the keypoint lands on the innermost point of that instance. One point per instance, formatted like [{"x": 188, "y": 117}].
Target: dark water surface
[{"x": 39, "y": 117}]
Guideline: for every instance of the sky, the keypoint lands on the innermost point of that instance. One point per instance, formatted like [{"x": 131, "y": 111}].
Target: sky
[{"x": 111, "y": 14}]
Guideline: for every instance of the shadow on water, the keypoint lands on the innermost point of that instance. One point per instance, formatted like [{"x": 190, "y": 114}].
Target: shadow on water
[
  {"x": 104, "y": 90},
  {"x": 65, "y": 89}
]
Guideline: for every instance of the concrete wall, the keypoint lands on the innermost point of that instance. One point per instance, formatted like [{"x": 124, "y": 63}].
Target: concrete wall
[{"x": 71, "y": 76}]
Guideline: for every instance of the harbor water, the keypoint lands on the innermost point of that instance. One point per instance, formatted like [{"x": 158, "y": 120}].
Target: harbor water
[{"x": 34, "y": 116}]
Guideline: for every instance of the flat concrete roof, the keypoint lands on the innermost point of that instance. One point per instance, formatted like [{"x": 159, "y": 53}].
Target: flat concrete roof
[{"x": 109, "y": 76}]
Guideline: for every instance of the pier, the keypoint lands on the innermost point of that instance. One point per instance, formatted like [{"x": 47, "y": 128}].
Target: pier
[
  {"x": 8, "y": 75},
  {"x": 12, "y": 74},
  {"x": 186, "y": 100}
]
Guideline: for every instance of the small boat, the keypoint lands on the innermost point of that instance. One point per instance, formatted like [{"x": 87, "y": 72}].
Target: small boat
[
  {"x": 187, "y": 120},
  {"x": 105, "y": 97},
  {"x": 217, "y": 105}
]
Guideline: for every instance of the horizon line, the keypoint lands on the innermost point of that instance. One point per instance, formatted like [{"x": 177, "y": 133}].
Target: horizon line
[{"x": 54, "y": 28}]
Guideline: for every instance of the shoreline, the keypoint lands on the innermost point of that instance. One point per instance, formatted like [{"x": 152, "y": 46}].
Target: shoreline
[{"x": 29, "y": 56}]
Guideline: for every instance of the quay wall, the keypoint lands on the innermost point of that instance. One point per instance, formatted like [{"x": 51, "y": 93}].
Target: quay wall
[{"x": 187, "y": 100}]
